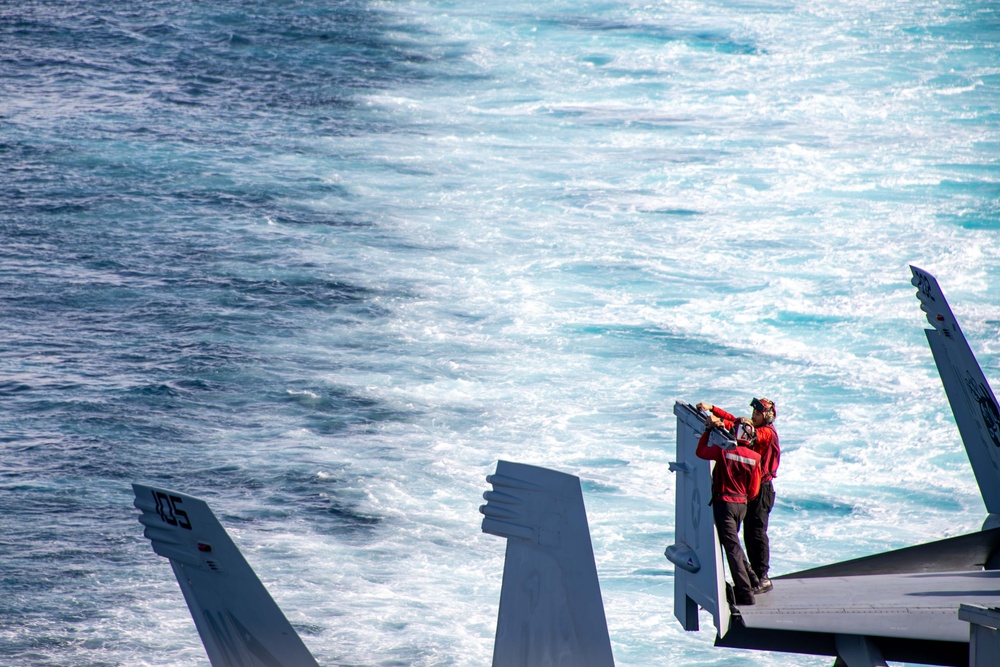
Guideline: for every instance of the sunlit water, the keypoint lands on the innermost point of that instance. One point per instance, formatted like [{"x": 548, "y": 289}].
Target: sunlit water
[{"x": 323, "y": 263}]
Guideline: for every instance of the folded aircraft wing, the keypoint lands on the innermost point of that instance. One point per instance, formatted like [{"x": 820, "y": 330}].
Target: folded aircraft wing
[
  {"x": 900, "y": 605},
  {"x": 699, "y": 578}
]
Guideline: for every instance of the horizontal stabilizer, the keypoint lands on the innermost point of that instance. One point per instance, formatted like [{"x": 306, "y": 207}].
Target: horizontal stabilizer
[
  {"x": 963, "y": 553},
  {"x": 972, "y": 401},
  {"x": 239, "y": 623},
  {"x": 898, "y": 606},
  {"x": 551, "y": 610},
  {"x": 913, "y": 609}
]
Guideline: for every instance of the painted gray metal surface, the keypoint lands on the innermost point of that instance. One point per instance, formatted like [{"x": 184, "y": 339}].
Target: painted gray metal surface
[
  {"x": 699, "y": 578},
  {"x": 858, "y": 651},
  {"x": 921, "y": 606},
  {"x": 984, "y": 638},
  {"x": 551, "y": 609},
  {"x": 972, "y": 401},
  {"x": 898, "y": 605},
  {"x": 239, "y": 623},
  {"x": 964, "y": 552}
]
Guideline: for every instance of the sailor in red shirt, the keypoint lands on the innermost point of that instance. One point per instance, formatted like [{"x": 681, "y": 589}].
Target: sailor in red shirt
[
  {"x": 758, "y": 509},
  {"x": 735, "y": 479}
]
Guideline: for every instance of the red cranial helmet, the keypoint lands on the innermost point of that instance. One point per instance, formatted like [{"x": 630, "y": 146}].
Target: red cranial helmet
[
  {"x": 766, "y": 408},
  {"x": 743, "y": 432}
]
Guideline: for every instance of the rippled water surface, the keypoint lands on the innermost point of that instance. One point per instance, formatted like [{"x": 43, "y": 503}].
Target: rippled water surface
[{"x": 324, "y": 263}]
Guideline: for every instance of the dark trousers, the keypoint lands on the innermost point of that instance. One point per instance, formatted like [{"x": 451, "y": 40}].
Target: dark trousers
[
  {"x": 728, "y": 517},
  {"x": 755, "y": 530}
]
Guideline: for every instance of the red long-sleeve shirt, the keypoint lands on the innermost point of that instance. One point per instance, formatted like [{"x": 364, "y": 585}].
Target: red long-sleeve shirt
[
  {"x": 767, "y": 444},
  {"x": 736, "y": 478}
]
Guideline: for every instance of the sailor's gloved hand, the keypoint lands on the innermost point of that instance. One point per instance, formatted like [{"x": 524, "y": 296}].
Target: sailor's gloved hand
[{"x": 707, "y": 407}]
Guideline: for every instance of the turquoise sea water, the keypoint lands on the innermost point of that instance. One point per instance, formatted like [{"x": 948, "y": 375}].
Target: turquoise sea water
[{"x": 323, "y": 263}]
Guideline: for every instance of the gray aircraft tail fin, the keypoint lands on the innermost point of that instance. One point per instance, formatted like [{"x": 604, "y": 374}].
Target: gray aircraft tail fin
[
  {"x": 972, "y": 401},
  {"x": 551, "y": 610},
  {"x": 699, "y": 578},
  {"x": 239, "y": 623}
]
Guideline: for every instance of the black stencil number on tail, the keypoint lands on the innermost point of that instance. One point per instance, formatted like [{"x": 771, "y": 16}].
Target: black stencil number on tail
[
  {"x": 167, "y": 508},
  {"x": 988, "y": 408},
  {"x": 923, "y": 283}
]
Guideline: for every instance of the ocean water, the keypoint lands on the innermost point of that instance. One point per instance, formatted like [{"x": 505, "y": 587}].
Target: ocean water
[{"x": 324, "y": 263}]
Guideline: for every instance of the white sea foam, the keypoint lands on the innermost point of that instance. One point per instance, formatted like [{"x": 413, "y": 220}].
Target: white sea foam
[{"x": 563, "y": 221}]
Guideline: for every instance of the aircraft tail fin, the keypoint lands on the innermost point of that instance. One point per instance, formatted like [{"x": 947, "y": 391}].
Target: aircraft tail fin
[
  {"x": 699, "y": 578},
  {"x": 972, "y": 401},
  {"x": 239, "y": 623},
  {"x": 551, "y": 610}
]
